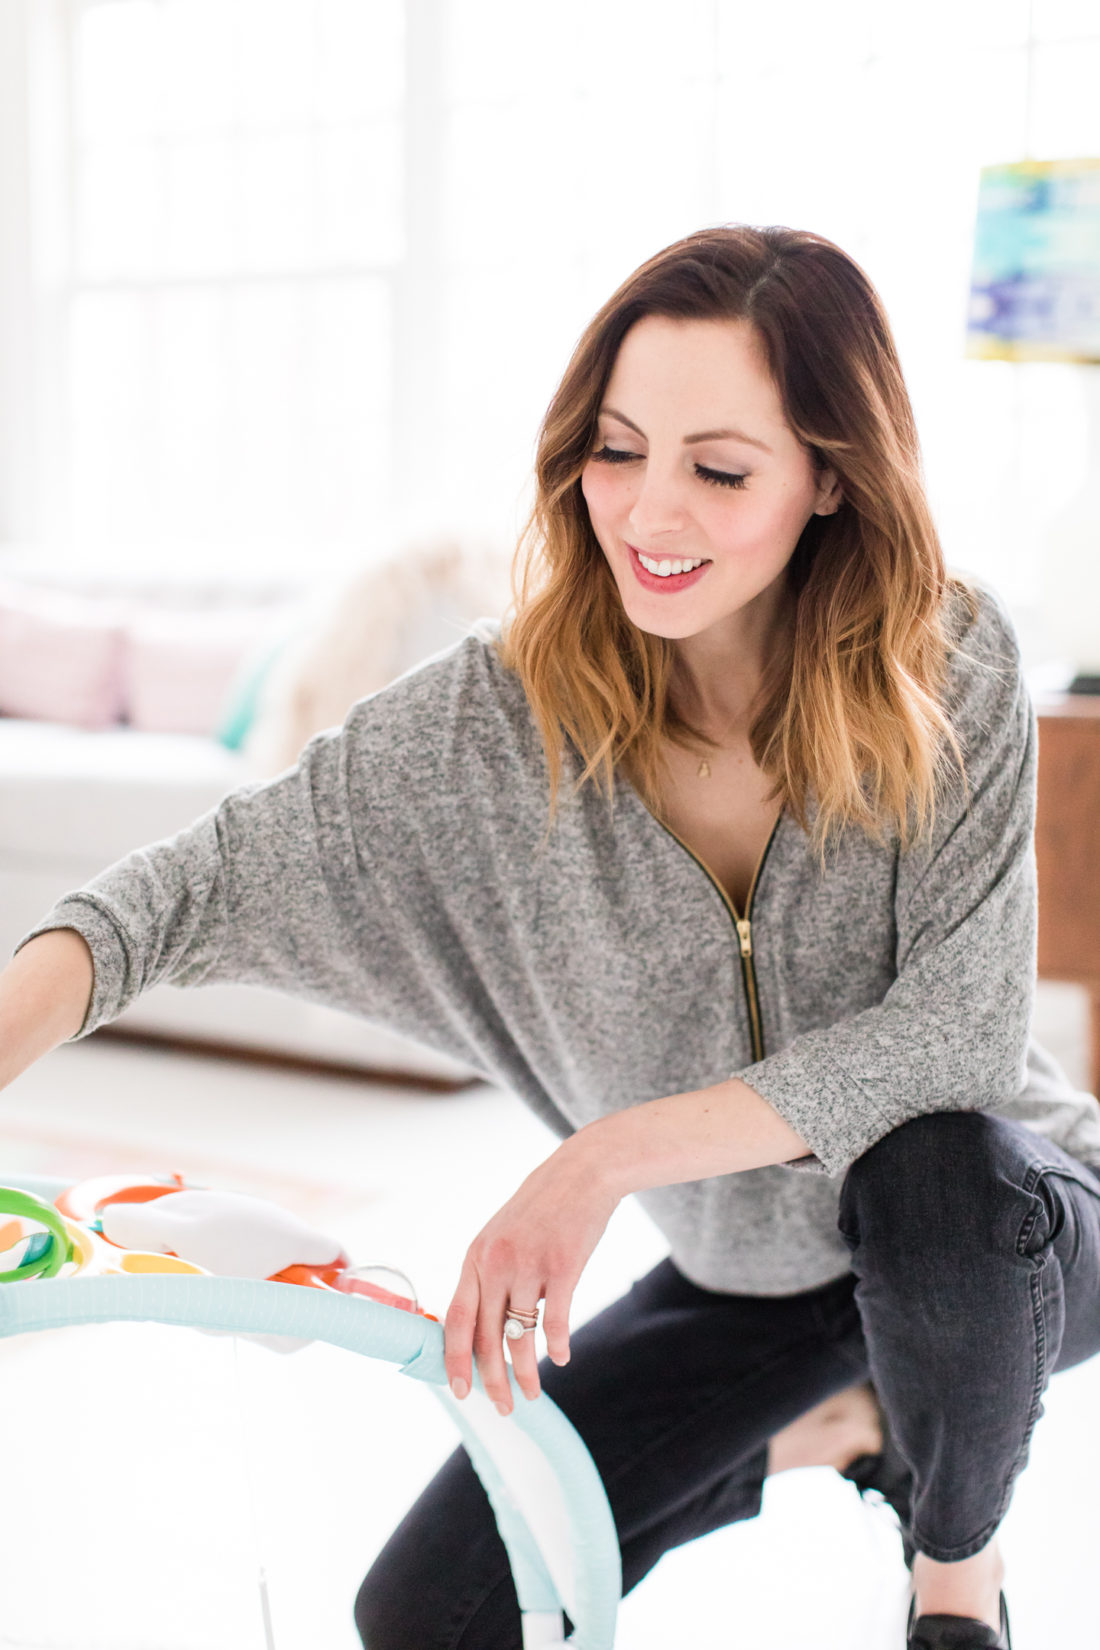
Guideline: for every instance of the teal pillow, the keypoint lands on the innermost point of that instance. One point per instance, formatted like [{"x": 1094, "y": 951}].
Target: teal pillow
[{"x": 243, "y": 699}]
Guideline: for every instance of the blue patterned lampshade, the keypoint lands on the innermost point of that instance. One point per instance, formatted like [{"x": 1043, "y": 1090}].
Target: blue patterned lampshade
[{"x": 1035, "y": 282}]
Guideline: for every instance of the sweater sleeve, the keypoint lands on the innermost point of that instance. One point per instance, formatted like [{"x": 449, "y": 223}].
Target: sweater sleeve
[
  {"x": 317, "y": 883},
  {"x": 951, "y": 1032},
  {"x": 254, "y": 891}
]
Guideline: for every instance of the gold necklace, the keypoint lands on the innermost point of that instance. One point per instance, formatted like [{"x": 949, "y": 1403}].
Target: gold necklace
[{"x": 704, "y": 769}]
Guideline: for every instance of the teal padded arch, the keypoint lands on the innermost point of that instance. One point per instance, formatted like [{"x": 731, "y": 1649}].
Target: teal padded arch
[{"x": 592, "y": 1573}]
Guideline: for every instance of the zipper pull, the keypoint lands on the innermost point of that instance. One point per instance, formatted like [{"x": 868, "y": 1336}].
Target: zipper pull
[{"x": 744, "y": 929}]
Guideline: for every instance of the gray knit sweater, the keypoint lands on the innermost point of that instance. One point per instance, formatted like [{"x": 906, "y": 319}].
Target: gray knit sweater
[{"x": 399, "y": 872}]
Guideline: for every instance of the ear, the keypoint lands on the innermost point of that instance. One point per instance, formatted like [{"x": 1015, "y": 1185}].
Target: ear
[{"x": 830, "y": 494}]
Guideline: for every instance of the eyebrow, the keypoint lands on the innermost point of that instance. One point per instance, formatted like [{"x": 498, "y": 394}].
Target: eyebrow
[{"x": 689, "y": 440}]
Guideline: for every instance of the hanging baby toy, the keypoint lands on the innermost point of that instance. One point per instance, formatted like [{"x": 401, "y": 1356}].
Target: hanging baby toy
[{"x": 158, "y": 1250}]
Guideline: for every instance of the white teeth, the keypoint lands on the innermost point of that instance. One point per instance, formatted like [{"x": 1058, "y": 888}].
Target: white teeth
[{"x": 664, "y": 568}]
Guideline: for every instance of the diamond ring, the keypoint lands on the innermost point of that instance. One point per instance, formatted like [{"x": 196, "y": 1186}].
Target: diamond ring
[{"x": 518, "y": 1323}]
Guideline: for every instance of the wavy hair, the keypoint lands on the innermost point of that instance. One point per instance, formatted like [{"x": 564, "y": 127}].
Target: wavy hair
[{"x": 849, "y": 713}]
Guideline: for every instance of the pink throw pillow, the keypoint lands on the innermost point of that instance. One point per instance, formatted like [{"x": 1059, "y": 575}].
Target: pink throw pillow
[
  {"x": 181, "y": 663},
  {"x": 61, "y": 657}
]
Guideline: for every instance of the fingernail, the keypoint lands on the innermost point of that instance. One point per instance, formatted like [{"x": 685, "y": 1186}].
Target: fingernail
[
  {"x": 460, "y": 1387},
  {"x": 503, "y": 1409}
]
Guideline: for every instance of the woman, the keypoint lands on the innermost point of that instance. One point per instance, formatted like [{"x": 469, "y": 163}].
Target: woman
[{"x": 767, "y": 960}]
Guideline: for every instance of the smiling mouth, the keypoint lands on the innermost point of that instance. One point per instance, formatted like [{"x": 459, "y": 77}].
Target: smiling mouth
[{"x": 660, "y": 574}]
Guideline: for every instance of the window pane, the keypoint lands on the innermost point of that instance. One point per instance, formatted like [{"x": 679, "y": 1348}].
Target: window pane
[
  {"x": 119, "y": 210},
  {"x": 346, "y": 425},
  {"x": 110, "y": 404},
  {"x": 488, "y": 41},
  {"x": 1065, "y": 19},
  {"x": 201, "y": 46},
  {"x": 201, "y": 206},
  {"x": 279, "y": 66},
  {"x": 346, "y": 353},
  {"x": 508, "y": 333},
  {"x": 660, "y": 189},
  {"x": 936, "y": 27},
  {"x": 359, "y": 194},
  {"x": 276, "y": 200},
  {"x": 191, "y": 364},
  {"x": 116, "y": 63},
  {"x": 361, "y": 71},
  {"x": 251, "y": 417},
  {"x": 109, "y": 360}
]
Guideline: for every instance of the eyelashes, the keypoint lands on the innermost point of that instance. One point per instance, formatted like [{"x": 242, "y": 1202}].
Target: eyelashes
[{"x": 620, "y": 455}]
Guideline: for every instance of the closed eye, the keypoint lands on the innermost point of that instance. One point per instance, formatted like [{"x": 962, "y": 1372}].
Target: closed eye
[{"x": 620, "y": 455}]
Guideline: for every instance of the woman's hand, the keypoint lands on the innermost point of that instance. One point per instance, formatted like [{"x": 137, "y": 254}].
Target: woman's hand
[
  {"x": 539, "y": 1243},
  {"x": 535, "y": 1248}
]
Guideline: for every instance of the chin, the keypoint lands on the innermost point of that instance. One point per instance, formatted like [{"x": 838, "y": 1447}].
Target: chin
[{"x": 674, "y": 628}]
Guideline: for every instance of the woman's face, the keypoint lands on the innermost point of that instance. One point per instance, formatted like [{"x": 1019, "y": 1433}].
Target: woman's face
[{"x": 694, "y": 462}]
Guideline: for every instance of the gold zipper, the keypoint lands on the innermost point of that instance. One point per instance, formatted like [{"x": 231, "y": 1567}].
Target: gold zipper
[{"x": 743, "y": 925}]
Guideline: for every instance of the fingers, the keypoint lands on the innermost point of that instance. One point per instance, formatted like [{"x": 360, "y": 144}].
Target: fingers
[
  {"x": 458, "y": 1331},
  {"x": 555, "y": 1323},
  {"x": 489, "y": 1349},
  {"x": 525, "y": 1297},
  {"x": 525, "y": 1364},
  {"x": 496, "y": 1275},
  {"x": 555, "y": 1320},
  {"x": 474, "y": 1328}
]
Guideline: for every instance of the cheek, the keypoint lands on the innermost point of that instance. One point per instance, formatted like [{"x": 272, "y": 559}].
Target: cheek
[
  {"x": 751, "y": 527},
  {"x": 603, "y": 491}
]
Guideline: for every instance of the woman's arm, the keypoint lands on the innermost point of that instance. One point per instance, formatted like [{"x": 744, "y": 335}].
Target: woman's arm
[
  {"x": 725, "y": 1129},
  {"x": 44, "y": 995}
]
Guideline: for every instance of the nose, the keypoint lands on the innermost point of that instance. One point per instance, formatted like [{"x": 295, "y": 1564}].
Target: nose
[{"x": 659, "y": 506}]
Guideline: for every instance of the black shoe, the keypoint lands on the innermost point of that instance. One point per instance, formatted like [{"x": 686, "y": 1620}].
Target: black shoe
[
  {"x": 888, "y": 1475},
  {"x": 956, "y": 1632}
]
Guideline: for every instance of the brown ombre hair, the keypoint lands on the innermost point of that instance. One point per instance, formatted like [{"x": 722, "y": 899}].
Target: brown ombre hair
[{"x": 850, "y": 710}]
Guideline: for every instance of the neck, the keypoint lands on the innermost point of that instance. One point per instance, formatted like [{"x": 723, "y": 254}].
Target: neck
[{"x": 719, "y": 672}]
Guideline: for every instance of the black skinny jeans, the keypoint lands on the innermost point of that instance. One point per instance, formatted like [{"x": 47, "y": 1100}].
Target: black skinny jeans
[{"x": 975, "y": 1276}]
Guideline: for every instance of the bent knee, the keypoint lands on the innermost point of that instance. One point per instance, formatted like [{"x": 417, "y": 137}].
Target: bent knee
[
  {"x": 929, "y": 1178},
  {"x": 935, "y": 1138}
]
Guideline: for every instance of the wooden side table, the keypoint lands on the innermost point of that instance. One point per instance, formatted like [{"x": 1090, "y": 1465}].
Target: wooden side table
[{"x": 1067, "y": 847}]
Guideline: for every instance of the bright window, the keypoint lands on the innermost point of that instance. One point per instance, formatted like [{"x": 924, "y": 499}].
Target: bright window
[
  {"x": 323, "y": 261},
  {"x": 236, "y": 225}
]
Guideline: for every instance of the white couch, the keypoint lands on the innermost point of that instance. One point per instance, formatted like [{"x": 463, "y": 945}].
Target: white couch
[{"x": 74, "y": 800}]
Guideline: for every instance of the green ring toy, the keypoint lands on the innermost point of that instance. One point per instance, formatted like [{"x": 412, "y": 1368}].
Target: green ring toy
[{"x": 60, "y": 1246}]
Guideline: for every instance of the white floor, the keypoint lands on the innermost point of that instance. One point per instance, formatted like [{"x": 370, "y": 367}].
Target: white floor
[{"x": 150, "y": 1472}]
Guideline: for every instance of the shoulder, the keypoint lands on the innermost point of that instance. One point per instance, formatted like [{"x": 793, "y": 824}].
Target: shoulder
[
  {"x": 986, "y": 697},
  {"x": 985, "y": 669},
  {"x": 456, "y": 714},
  {"x": 466, "y": 679},
  {"x": 978, "y": 624}
]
